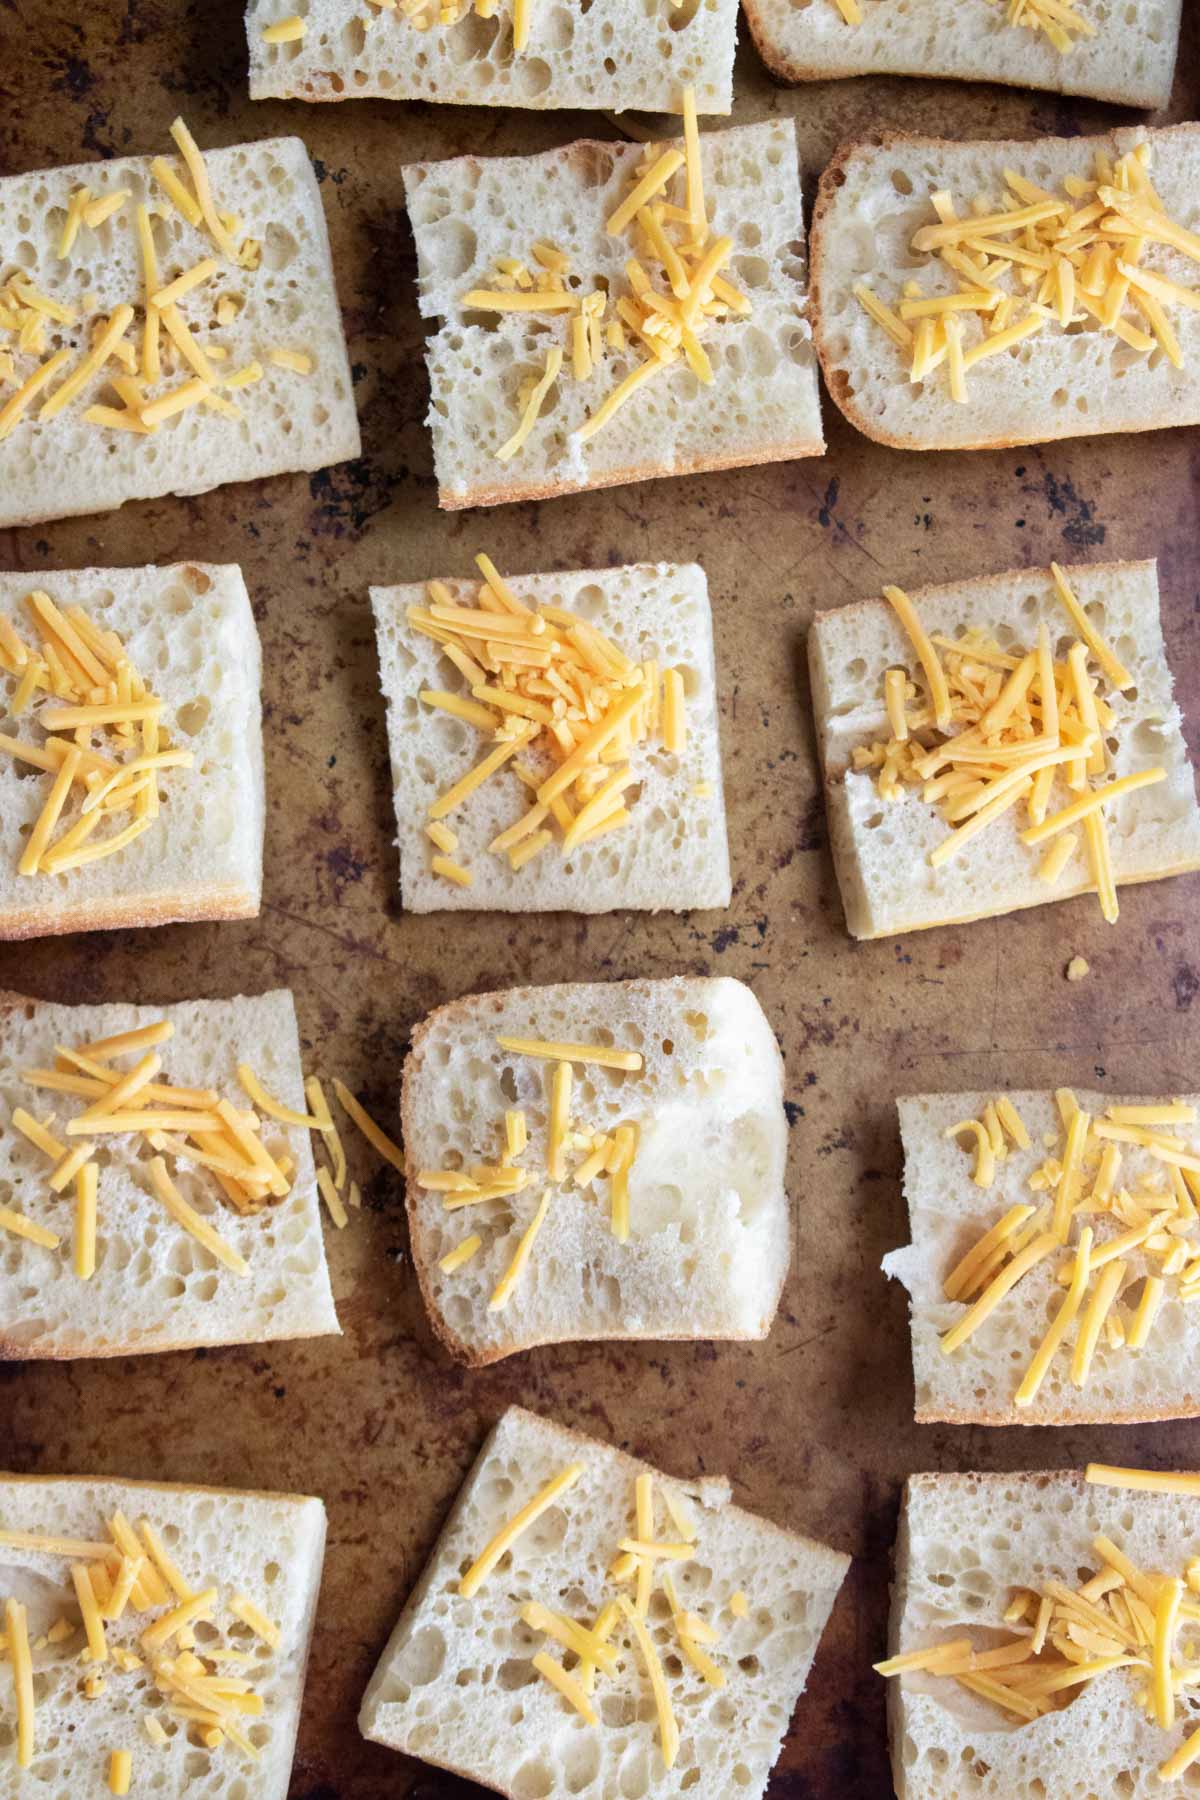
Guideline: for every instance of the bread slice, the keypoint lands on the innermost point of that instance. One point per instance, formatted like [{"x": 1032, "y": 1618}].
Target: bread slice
[
  {"x": 966, "y": 1542},
  {"x": 189, "y": 629},
  {"x": 673, "y": 854},
  {"x": 880, "y": 851},
  {"x": 763, "y": 405},
  {"x": 155, "y": 1287},
  {"x": 265, "y": 1548},
  {"x": 456, "y": 1686},
  {"x": 600, "y": 56},
  {"x": 708, "y": 1248},
  {"x": 52, "y": 469},
  {"x": 875, "y": 195},
  {"x": 1131, "y": 60},
  {"x": 948, "y": 1214}
]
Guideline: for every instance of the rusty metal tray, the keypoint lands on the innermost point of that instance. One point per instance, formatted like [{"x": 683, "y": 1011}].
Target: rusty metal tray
[{"x": 816, "y": 1424}]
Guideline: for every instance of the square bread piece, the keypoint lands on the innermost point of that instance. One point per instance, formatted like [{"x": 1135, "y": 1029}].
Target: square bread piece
[
  {"x": 456, "y": 1685},
  {"x": 948, "y": 1214},
  {"x": 674, "y": 852},
  {"x": 54, "y": 468},
  {"x": 264, "y": 1548},
  {"x": 709, "y": 1238},
  {"x": 966, "y": 1543},
  {"x": 873, "y": 197},
  {"x": 598, "y": 56},
  {"x": 189, "y": 631},
  {"x": 155, "y": 1287},
  {"x": 880, "y": 851},
  {"x": 763, "y": 404},
  {"x": 1131, "y": 58}
]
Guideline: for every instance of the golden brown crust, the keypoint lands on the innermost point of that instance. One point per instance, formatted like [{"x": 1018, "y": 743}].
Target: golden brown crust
[
  {"x": 832, "y": 177},
  {"x": 119, "y": 912},
  {"x": 503, "y": 493}
]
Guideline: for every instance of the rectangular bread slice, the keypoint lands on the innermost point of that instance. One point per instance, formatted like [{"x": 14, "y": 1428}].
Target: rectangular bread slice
[
  {"x": 672, "y": 854},
  {"x": 456, "y": 1686},
  {"x": 1131, "y": 58},
  {"x": 189, "y": 630},
  {"x": 948, "y": 1213},
  {"x": 57, "y": 467},
  {"x": 880, "y": 850},
  {"x": 762, "y": 405},
  {"x": 966, "y": 1544},
  {"x": 266, "y": 1549},
  {"x": 709, "y": 1240},
  {"x": 155, "y": 1287},
  {"x": 602, "y": 55},
  {"x": 873, "y": 198}
]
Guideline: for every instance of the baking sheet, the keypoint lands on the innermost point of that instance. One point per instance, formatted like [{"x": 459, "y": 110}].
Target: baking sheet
[{"x": 816, "y": 1424}]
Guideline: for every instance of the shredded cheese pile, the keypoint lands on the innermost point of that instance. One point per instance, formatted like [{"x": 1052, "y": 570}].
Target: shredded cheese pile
[
  {"x": 195, "y": 1127},
  {"x": 1056, "y": 18},
  {"x": 548, "y": 687},
  {"x": 1120, "y": 1617},
  {"x": 1130, "y": 1240},
  {"x": 676, "y": 291},
  {"x": 591, "y": 1649},
  {"x": 599, "y": 1153},
  {"x": 1041, "y": 262},
  {"x": 145, "y": 343},
  {"x": 996, "y": 728},
  {"x": 89, "y": 689},
  {"x": 137, "y": 1616}
]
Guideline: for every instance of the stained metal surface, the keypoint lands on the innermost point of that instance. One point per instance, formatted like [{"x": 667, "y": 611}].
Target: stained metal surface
[{"x": 815, "y": 1426}]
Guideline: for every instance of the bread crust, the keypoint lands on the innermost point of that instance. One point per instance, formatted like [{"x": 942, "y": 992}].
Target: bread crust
[
  {"x": 502, "y": 493},
  {"x": 159, "y": 1487},
  {"x": 789, "y": 69},
  {"x": 832, "y": 178},
  {"x": 470, "y": 1006},
  {"x": 182, "y": 906}
]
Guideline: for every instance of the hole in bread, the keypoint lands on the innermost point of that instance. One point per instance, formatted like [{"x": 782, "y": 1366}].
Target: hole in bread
[
  {"x": 193, "y": 715},
  {"x": 901, "y": 182}
]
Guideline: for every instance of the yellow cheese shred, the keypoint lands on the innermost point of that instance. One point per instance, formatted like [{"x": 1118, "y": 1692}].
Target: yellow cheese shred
[
  {"x": 667, "y": 1728},
  {"x": 508, "y": 1281},
  {"x": 504, "y": 1539}
]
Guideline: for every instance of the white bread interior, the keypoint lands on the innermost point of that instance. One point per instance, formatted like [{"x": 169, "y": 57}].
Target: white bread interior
[
  {"x": 605, "y": 55},
  {"x": 64, "y": 466},
  {"x": 455, "y": 1685},
  {"x": 762, "y": 406},
  {"x": 155, "y": 1287},
  {"x": 674, "y": 852},
  {"x": 267, "y": 1547},
  {"x": 190, "y": 632},
  {"x": 965, "y": 1543},
  {"x": 709, "y": 1228},
  {"x": 948, "y": 1213},
  {"x": 1055, "y": 384},
  {"x": 880, "y": 850},
  {"x": 1131, "y": 58}
]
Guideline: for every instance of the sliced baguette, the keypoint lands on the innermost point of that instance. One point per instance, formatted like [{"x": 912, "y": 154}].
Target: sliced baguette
[
  {"x": 155, "y": 1287},
  {"x": 1131, "y": 59},
  {"x": 267, "y": 1548},
  {"x": 189, "y": 629},
  {"x": 709, "y": 1235},
  {"x": 880, "y": 851},
  {"x": 673, "y": 854},
  {"x": 871, "y": 200},
  {"x": 763, "y": 405},
  {"x": 455, "y": 1685},
  {"x": 55, "y": 468},
  {"x": 966, "y": 1543},
  {"x": 948, "y": 1214},
  {"x": 600, "y": 56}
]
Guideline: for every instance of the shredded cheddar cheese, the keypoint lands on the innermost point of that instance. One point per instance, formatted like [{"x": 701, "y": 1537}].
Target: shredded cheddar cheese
[
  {"x": 676, "y": 289},
  {"x": 504, "y": 1539},
  {"x": 993, "y": 730}
]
